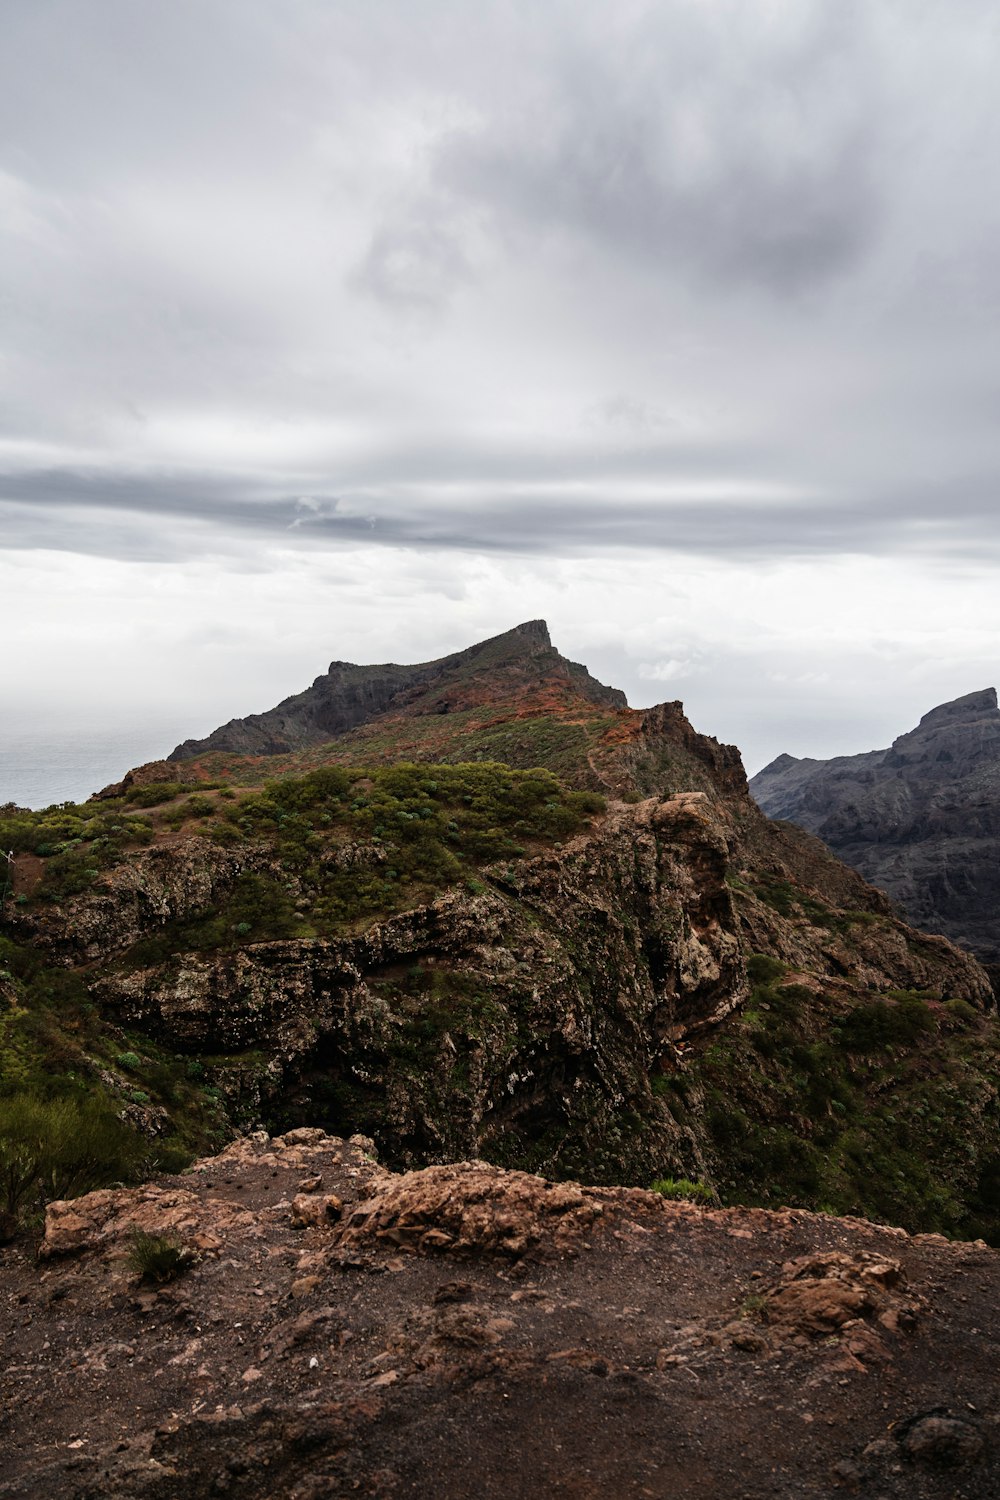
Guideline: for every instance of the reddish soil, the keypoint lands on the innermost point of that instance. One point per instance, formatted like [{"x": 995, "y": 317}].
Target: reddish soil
[
  {"x": 26, "y": 872},
  {"x": 469, "y": 1332}
]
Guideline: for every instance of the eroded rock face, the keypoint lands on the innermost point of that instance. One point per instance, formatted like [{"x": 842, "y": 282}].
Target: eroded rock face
[
  {"x": 557, "y": 987},
  {"x": 473, "y": 1209},
  {"x": 921, "y": 819},
  {"x": 544, "y": 1006},
  {"x": 134, "y": 899}
]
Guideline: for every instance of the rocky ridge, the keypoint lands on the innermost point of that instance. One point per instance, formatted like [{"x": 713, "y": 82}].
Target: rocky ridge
[
  {"x": 507, "y": 667},
  {"x": 333, "y": 1328},
  {"x": 920, "y": 820}
]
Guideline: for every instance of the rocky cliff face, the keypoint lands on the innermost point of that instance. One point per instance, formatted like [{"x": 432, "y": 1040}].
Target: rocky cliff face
[
  {"x": 506, "y": 667},
  {"x": 520, "y": 1020},
  {"x": 541, "y": 1018},
  {"x": 921, "y": 819}
]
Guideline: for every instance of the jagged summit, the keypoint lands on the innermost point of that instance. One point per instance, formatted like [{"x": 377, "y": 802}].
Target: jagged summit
[
  {"x": 982, "y": 704},
  {"x": 517, "y": 665},
  {"x": 782, "y": 762},
  {"x": 921, "y": 819}
]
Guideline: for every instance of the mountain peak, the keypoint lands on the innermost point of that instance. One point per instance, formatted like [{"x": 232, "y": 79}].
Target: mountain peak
[
  {"x": 978, "y": 705},
  {"x": 782, "y": 762},
  {"x": 507, "y": 669},
  {"x": 535, "y": 631},
  {"x": 524, "y": 639}
]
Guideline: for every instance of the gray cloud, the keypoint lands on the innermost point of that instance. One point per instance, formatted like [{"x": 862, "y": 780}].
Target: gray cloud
[
  {"x": 739, "y": 153},
  {"x": 496, "y": 288},
  {"x": 172, "y": 517}
]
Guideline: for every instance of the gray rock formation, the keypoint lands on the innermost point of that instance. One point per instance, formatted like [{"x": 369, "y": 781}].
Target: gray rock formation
[
  {"x": 921, "y": 819},
  {"x": 348, "y": 695}
]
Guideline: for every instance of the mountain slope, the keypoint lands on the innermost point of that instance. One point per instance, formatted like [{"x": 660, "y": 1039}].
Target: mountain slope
[
  {"x": 542, "y": 930},
  {"x": 519, "y": 665},
  {"x": 921, "y": 819}
]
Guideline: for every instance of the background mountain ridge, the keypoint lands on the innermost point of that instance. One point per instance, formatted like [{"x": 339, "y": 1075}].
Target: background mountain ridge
[{"x": 920, "y": 819}]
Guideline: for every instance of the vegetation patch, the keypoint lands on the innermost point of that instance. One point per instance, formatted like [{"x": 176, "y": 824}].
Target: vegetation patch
[
  {"x": 158, "y": 1258},
  {"x": 683, "y": 1189},
  {"x": 75, "y": 1092},
  {"x": 887, "y": 1108},
  {"x": 58, "y": 1148}
]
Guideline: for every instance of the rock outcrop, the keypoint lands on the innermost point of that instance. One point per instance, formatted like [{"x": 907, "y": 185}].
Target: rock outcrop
[
  {"x": 520, "y": 661},
  {"x": 465, "y": 1330},
  {"x": 921, "y": 819}
]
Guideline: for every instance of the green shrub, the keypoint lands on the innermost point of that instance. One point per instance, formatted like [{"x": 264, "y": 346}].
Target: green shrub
[
  {"x": 154, "y": 794},
  {"x": 59, "y": 1148},
  {"x": 778, "y": 894},
  {"x": 754, "y": 1305},
  {"x": 683, "y": 1188},
  {"x": 172, "y": 1156},
  {"x": 130, "y": 1060},
  {"x": 158, "y": 1257},
  {"x": 198, "y": 807},
  {"x": 878, "y": 1023},
  {"x": 762, "y": 969}
]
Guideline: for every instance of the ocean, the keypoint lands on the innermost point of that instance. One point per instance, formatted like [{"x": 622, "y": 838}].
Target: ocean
[{"x": 67, "y": 763}]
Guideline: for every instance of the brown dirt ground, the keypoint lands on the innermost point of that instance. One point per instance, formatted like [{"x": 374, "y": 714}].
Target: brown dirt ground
[
  {"x": 26, "y": 874},
  {"x": 563, "y": 1343}
]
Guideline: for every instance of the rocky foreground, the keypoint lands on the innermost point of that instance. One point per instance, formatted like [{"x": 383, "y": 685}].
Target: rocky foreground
[{"x": 340, "y": 1329}]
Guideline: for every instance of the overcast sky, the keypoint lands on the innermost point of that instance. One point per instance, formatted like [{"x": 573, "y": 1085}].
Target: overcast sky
[{"x": 365, "y": 330}]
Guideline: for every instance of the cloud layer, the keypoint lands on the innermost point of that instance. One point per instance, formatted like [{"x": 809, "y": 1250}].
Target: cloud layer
[{"x": 507, "y": 287}]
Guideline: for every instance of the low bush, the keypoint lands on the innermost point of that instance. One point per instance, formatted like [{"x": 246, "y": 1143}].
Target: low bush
[
  {"x": 961, "y": 1012},
  {"x": 198, "y": 807},
  {"x": 762, "y": 969},
  {"x": 154, "y": 794},
  {"x": 877, "y": 1024},
  {"x": 158, "y": 1257},
  {"x": 684, "y": 1189},
  {"x": 58, "y": 1148}
]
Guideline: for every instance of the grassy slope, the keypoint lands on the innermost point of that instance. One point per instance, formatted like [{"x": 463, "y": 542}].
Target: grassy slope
[{"x": 887, "y": 1106}]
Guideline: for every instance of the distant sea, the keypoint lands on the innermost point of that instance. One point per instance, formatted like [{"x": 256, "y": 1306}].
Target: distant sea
[{"x": 39, "y": 766}]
